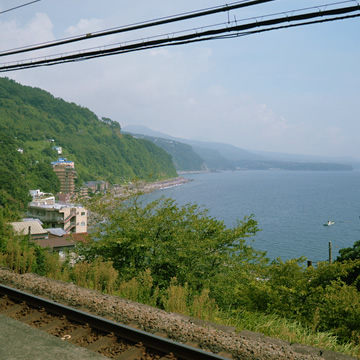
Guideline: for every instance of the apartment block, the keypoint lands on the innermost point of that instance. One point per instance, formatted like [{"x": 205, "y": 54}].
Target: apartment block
[
  {"x": 69, "y": 217},
  {"x": 65, "y": 171}
]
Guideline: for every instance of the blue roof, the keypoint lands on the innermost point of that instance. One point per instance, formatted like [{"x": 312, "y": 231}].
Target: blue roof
[{"x": 61, "y": 161}]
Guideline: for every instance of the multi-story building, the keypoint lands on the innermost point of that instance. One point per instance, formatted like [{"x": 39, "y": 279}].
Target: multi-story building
[
  {"x": 65, "y": 171},
  {"x": 97, "y": 186},
  {"x": 69, "y": 217}
]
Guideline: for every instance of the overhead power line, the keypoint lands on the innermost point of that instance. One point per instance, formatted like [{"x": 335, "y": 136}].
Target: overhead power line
[
  {"x": 18, "y": 7},
  {"x": 257, "y": 25},
  {"x": 138, "y": 26}
]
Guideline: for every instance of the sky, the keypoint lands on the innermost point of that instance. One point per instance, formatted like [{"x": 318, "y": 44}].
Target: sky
[{"x": 294, "y": 90}]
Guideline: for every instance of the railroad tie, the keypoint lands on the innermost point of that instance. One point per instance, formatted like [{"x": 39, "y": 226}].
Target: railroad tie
[
  {"x": 131, "y": 353},
  {"x": 31, "y": 317},
  {"x": 52, "y": 325},
  {"x": 79, "y": 333},
  {"x": 103, "y": 342},
  {"x": 12, "y": 310}
]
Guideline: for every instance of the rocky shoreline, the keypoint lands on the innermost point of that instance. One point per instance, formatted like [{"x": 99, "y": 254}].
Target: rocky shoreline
[{"x": 142, "y": 187}]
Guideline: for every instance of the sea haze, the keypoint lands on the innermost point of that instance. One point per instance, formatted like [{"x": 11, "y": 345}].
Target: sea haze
[{"x": 290, "y": 207}]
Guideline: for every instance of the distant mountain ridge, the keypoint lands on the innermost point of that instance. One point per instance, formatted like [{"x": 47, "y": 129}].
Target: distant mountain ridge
[
  {"x": 183, "y": 155},
  {"x": 221, "y": 156}
]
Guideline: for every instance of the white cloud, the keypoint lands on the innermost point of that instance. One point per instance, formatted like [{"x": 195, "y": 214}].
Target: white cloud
[
  {"x": 84, "y": 26},
  {"x": 39, "y": 29}
]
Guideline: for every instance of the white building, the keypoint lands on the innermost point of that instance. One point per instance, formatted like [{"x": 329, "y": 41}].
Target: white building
[{"x": 69, "y": 217}]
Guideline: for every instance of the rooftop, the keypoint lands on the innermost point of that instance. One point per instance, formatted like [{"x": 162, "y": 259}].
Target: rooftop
[
  {"x": 22, "y": 227},
  {"x": 57, "y": 206}
]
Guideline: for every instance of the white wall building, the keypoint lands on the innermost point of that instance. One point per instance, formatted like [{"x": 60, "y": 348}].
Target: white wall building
[{"x": 69, "y": 217}]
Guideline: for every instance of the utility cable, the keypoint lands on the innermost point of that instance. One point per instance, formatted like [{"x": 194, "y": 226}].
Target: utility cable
[
  {"x": 156, "y": 22},
  {"x": 227, "y": 32},
  {"x": 18, "y": 7},
  {"x": 124, "y": 51},
  {"x": 138, "y": 26}
]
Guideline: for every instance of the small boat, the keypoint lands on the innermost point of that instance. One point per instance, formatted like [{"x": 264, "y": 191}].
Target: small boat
[{"x": 329, "y": 223}]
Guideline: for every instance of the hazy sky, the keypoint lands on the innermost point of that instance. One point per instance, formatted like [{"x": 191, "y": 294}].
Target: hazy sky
[{"x": 293, "y": 90}]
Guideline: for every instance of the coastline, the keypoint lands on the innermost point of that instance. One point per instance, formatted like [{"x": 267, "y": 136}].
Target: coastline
[
  {"x": 144, "y": 187},
  {"x": 164, "y": 184}
]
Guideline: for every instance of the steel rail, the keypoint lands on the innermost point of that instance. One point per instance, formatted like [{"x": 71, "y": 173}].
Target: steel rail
[{"x": 152, "y": 341}]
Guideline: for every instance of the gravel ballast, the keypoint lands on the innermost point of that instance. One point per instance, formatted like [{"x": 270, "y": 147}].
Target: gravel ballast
[{"x": 244, "y": 345}]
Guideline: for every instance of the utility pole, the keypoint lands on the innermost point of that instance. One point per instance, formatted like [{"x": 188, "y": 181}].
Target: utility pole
[{"x": 330, "y": 253}]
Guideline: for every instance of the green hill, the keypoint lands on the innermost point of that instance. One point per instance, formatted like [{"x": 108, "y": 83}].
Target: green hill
[
  {"x": 183, "y": 155},
  {"x": 33, "y": 120}
]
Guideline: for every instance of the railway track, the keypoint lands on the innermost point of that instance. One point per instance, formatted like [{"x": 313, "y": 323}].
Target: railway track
[{"x": 106, "y": 337}]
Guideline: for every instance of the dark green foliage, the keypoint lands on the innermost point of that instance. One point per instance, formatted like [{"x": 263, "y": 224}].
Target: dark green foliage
[
  {"x": 351, "y": 254},
  {"x": 172, "y": 241},
  {"x": 20, "y": 173},
  {"x": 39, "y": 121},
  {"x": 316, "y": 297},
  {"x": 6, "y": 231}
]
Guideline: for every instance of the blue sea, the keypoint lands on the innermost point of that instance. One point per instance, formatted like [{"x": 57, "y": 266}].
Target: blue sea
[{"x": 289, "y": 206}]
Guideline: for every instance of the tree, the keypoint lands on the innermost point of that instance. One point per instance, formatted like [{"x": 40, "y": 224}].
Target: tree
[
  {"x": 172, "y": 241},
  {"x": 350, "y": 253}
]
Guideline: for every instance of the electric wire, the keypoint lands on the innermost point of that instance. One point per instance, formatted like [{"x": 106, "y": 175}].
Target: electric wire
[
  {"x": 18, "y": 7},
  {"x": 222, "y": 33},
  {"x": 151, "y": 23},
  {"x": 228, "y": 36},
  {"x": 124, "y": 51},
  {"x": 153, "y": 44},
  {"x": 137, "y": 26},
  {"x": 146, "y": 24}
]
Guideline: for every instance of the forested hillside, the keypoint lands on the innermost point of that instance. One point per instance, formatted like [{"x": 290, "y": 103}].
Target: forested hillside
[
  {"x": 183, "y": 155},
  {"x": 33, "y": 120},
  {"x": 21, "y": 172}
]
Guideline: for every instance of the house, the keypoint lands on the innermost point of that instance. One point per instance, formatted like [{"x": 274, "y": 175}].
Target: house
[
  {"x": 58, "y": 149},
  {"x": 97, "y": 186},
  {"x": 32, "y": 228},
  {"x": 53, "y": 239},
  {"x": 59, "y": 241}
]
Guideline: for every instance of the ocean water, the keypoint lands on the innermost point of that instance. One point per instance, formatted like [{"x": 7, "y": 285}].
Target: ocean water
[{"x": 290, "y": 207}]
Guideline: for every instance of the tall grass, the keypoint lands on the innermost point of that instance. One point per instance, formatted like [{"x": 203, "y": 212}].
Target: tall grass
[
  {"x": 19, "y": 258},
  {"x": 289, "y": 330}
]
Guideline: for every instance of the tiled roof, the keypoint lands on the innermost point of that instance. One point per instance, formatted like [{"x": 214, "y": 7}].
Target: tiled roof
[
  {"x": 22, "y": 227},
  {"x": 54, "y": 241},
  {"x": 66, "y": 241}
]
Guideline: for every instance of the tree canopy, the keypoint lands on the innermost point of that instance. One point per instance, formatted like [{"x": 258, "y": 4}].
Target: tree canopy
[{"x": 172, "y": 241}]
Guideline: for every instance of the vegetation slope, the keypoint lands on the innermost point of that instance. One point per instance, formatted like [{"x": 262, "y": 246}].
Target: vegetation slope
[
  {"x": 183, "y": 155},
  {"x": 33, "y": 120}
]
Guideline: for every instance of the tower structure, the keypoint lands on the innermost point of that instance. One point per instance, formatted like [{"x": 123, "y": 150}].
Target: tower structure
[{"x": 65, "y": 171}]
